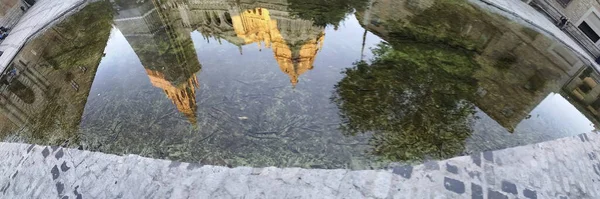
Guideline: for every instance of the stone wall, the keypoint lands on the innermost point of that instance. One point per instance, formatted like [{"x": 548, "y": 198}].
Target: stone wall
[
  {"x": 6, "y": 5},
  {"x": 10, "y": 12},
  {"x": 576, "y": 9}
]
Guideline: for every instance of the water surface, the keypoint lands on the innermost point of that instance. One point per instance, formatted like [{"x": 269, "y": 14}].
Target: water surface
[{"x": 356, "y": 84}]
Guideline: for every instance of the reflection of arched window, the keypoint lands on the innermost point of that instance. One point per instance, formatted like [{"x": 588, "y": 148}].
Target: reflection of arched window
[
  {"x": 23, "y": 92},
  {"x": 208, "y": 19},
  {"x": 228, "y": 19},
  {"x": 217, "y": 19}
]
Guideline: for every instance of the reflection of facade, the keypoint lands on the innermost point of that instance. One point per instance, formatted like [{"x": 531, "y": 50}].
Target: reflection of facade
[
  {"x": 43, "y": 95},
  {"x": 10, "y": 12},
  {"x": 256, "y": 26},
  {"x": 159, "y": 33},
  {"x": 183, "y": 95},
  {"x": 22, "y": 92},
  {"x": 583, "y": 20},
  {"x": 583, "y": 91},
  {"x": 295, "y": 42},
  {"x": 519, "y": 67},
  {"x": 165, "y": 50}
]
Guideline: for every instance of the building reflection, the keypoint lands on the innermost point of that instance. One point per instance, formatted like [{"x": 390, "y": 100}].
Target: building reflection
[
  {"x": 583, "y": 92},
  {"x": 527, "y": 66},
  {"x": 268, "y": 24},
  {"x": 256, "y": 26},
  {"x": 159, "y": 33},
  {"x": 43, "y": 92},
  {"x": 166, "y": 51}
]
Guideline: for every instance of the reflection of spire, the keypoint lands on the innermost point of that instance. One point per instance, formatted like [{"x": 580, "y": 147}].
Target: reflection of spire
[
  {"x": 166, "y": 51},
  {"x": 256, "y": 26},
  {"x": 362, "y": 49},
  {"x": 182, "y": 95}
]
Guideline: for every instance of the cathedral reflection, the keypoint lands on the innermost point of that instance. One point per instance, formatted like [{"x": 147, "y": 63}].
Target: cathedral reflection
[
  {"x": 166, "y": 51},
  {"x": 159, "y": 32}
]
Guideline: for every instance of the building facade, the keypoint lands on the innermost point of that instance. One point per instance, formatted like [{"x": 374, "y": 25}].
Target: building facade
[{"x": 578, "y": 18}]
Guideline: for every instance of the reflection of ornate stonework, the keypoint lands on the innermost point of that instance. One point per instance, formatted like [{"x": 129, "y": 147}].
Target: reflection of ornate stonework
[
  {"x": 256, "y": 26},
  {"x": 295, "y": 42},
  {"x": 182, "y": 95},
  {"x": 166, "y": 51},
  {"x": 159, "y": 34}
]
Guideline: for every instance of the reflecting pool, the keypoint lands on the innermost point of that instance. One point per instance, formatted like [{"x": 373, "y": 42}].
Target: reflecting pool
[{"x": 288, "y": 83}]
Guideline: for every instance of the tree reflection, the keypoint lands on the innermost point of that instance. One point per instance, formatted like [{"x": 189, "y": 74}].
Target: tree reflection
[
  {"x": 413, "y": 102},
  {"x": 325, "y": 12},
  {"x": 412, "y": 97}
]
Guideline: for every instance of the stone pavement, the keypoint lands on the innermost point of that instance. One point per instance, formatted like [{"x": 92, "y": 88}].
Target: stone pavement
[
  {"x": 565, "y": 168},
  {"x": 521, "y": 12},
  {"x": 42, "y": 15}
]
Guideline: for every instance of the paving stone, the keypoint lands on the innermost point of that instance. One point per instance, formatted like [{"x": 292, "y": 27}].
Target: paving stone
[
  {"x": 490, "y": 176},
  {"x": 496, "y": 195},
  {"x": 453, "y": 185},
  {"x": 476, "y": 191},
  {"x": 59, "y": 154},
  {"x": 64, "y": 167},
  {"x": 404, "y": 171},
  {"x": 476, "y": 159},
  {"x": 451, "y": 168},
  {"x": 431, "y": 165},
  {"x": 55, "y": 173},
  {"x": 45, "y": 152},
  {"x": 489, "y": 156},
  {"x": 509, "y": 187},
  {"x": 60, "y": 187},
  {"x": 530, "y": 194},
  {"x": 581, "y": 138}
]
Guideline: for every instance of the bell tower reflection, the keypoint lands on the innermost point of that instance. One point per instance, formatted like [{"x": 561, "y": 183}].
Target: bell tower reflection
[
  {"x": 165, "y": 50},
  {"x": 183, "y": 95}
]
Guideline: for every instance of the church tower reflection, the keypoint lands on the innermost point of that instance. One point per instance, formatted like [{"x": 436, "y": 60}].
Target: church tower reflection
[
  {"x": 182, "y": 95},
  {"x": 256, "y": 26},
  {"x": 165, "y": 50}
]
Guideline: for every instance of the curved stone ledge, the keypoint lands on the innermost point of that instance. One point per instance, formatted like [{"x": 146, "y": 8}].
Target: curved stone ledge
[{"x": 568, "y": 168}]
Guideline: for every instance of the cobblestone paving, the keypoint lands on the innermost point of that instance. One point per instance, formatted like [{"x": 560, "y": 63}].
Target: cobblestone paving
[
  {"x": 565, "y": 168},
  {"x": 43, "y": 14}
]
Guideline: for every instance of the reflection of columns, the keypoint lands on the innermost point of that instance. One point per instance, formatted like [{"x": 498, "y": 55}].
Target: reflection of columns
[
  {"x": 31, "y": 76},
  {"x": 10, "y": 110},
  {"x": 13, "y": 118},
  {"x": 29, "y": 82},
  {"x": 38, "y": 76}
]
